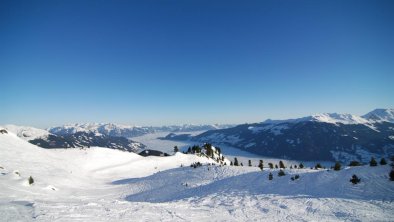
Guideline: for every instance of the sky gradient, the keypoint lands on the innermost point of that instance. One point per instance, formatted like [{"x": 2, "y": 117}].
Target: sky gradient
[{"x": 173, "y": 62}]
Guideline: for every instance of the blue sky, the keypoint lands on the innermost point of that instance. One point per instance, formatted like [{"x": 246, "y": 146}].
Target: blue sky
[{"x": 172, "y": 62}]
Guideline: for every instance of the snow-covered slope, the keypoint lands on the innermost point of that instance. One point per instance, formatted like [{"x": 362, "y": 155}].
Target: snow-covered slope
[
  {"x": 102, "y": 184},
  {"x": 26, "y": 133}
]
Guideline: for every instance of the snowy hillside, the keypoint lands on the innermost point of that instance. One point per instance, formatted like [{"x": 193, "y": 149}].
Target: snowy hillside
[
  {"x": 26, "y": 133},
  {"x": 100, "y": 184}
]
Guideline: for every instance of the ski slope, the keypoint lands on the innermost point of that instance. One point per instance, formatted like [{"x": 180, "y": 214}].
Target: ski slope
[{"x": 100, "y": 184}]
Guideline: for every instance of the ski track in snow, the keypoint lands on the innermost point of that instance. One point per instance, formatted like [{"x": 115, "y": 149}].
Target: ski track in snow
[{"x": 101, "y": 184}]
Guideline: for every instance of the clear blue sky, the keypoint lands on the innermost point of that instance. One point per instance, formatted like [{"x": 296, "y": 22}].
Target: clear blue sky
[{"x": 188, "y": 61}]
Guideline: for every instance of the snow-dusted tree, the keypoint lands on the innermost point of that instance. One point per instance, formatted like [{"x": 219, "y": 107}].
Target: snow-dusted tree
[
  {"x": 231, "y": 163},
  {"x": 276, "y": 166},
  {"x": 295, "y": 166},
  {"x": 355, "y": 179},
  {"x": 271, "y": 166},
  {"x": 30, "y": 180},
  {"x": 261, "y": 164},
  {"x": 250, "y": 163},
  {"x": 176, "y": 149},
  {"x": 270, "y": 176},
  {"x": 301, "y": 166},
  {"x": 337, "y": 166},
  {"x": 242, "y": 164},
  {"x": 281, "y": 165},
  {"x": 383, "y": 161},
  {"x": 373, "y": 162}
]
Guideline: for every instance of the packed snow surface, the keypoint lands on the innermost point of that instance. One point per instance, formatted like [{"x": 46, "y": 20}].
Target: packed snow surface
[{"x": 100, "y": 184}]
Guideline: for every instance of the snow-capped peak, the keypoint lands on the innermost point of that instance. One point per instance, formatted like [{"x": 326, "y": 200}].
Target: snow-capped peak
[
  {"x": 338, "y": 118},
  {"x": 333, "y": 118},
  {"x": 380, "y": 115}
]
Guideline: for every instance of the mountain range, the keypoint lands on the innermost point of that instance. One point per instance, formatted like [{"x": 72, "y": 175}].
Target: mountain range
[
  {"x": 328, "y": 136},
  {"x": 128, "y": 131},
  {"x": 81, "y": 139}
]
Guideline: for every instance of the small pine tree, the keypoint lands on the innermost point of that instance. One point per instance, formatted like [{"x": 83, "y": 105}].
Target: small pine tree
[
  {"x": 291, "y": 167},
  {"x": 355, "y": 179},
  {"x": 250, "y": 163},
  {"x": 383, "y": 161},
  {"x": 235, "y": 161},
  {"x": 276, "y": 166},
  {"x": 337, "y": 166},
  {"x": 242, "y": 164},
  {"x": 281, "y": 165},
  {"x": 391, "y": 175},
  {"x": 301, "y": 166},
  {"x": 176, "y": 149},
  {"x": 31, "y": 180},
  {"x": 373, "y": 162},
  {"x": 261, "y": 165},
  {"x": 270, "y": 177},
  {"x": 271, "y": 166},
  {"x": 231, "y": 163},
  {"x": 295, "y": 166},
  {"x": 296, "y": 176},
  {"x": 281, "y": 173},
  {"x": 318, "y": 166}
]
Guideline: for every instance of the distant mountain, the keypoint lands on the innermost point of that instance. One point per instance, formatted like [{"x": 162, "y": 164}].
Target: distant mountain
[
  {"x": 380, "y": 115},
  {"x": 111, "y": 129},
  {"x": 45, "y": 139},
  {"x": 328, "y": 136}
]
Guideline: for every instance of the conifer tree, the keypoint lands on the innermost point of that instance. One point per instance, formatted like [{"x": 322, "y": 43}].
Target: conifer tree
[
  {"x": 271, "y": 166},
  {"x": 261, "y": 165},
  {"x": 250, "y": 163},
  {"x": 176, "y": 149},
  {"x": 337, "y": 166},
  {"x": 354, "y": 163},
  {"x": 231, "y": 163},
  {"x": 392, "y": 174},
  {"x": 301, "y": 166},
  {"x": 318, "y": 166},
  {"x": 281, "y": 173},
  {"x": 31, "y": 180},
  {"x": 355, "y": 179},
  {"x": 383, "y": 161},
  {"x": 276, "y": 166},
  {"x": 270, "y": 176},
  {"x": 242, "y": 164},
  {"x": 235, "y": 161},
  {"x": 373, "y": 162},
  {"x": 281, "y": 165}
]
